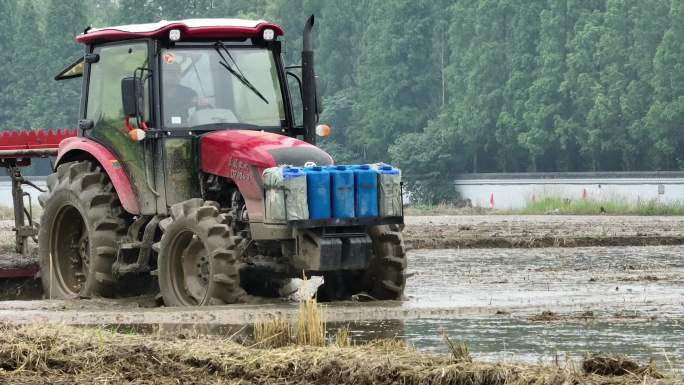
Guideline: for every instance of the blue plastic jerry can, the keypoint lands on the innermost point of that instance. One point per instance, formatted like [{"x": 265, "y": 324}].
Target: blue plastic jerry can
[
  {"x": 318, "y": 190},
  {"x": 342, "y": 191},
  {"x": 365, "y": 191}
]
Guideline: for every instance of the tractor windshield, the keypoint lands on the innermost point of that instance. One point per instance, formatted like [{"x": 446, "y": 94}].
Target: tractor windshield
[{"x": 206, "y": 86}]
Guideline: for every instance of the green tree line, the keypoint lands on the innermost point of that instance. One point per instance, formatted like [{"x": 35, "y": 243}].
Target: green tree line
[{"x": 436, "y": 87}]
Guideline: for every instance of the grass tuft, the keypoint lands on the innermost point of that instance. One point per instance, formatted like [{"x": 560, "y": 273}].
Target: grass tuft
[
  {"x": 460, "y": 351},
  {"x": 343, "y": 338}
]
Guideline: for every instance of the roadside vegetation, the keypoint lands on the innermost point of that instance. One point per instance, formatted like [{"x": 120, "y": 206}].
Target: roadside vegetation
[
  {"x": 558, "y": 205},
  {"x": 6, "y": 213},
  {"x": 445, "y": 208}
]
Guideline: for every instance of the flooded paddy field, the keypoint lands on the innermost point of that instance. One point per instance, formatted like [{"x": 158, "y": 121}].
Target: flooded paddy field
[
  {"x": 600, "y": 279},
  {"x": 554, "y": 302},
  {"x": 515, "y": 301},
  {"x": 508, "y": 304}
]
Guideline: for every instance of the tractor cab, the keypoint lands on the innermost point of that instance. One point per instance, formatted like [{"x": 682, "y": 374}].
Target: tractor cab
[
  {"x": 190, "y": 75},
  {"x": 151, "y": 91}
]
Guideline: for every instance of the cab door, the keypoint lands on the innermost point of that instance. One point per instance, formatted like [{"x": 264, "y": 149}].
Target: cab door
[{"x": 104, "y": 107}]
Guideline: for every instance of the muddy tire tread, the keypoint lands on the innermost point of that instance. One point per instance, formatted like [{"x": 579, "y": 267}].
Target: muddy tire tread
[
  {"x": 385, "y": 278},
  {"x": 103, "y": 217},
  {"x": 205, "y": 221}
]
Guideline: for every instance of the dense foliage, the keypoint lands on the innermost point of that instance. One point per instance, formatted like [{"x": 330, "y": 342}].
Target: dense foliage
[{"x": 438, "y": 87}]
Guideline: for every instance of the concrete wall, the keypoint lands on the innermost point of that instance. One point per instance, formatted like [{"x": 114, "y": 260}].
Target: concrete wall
[
  {"x": 513, "y": 191},
  {"x": 6, "y": 190}
]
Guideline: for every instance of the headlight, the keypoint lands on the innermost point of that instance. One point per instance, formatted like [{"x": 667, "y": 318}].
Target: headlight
[
  {"x": 174, "y": 34},
  {"x": 268, "y": 34}
]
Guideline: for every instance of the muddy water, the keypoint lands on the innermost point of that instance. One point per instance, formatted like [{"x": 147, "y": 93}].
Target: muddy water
[
  {"x": 519, "y": 340},
  {"x": 615, "y": 279},
  {"x": 627, "y": 300}
]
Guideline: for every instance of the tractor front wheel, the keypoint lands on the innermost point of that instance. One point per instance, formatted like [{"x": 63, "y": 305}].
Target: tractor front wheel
[{"x": 197, "y": 257}]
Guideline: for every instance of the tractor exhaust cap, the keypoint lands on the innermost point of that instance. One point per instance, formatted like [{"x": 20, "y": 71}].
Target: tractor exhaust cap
[{"x": 308, "y": 45}]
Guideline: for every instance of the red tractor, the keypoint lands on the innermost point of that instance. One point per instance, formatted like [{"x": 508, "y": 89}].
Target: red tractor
[{"x": 164, "y": 177}]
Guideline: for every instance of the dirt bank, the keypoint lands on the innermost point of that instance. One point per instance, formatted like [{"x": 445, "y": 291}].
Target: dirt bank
[
  {"x": 477, "y": 231},
  {"x": 85, "y": 356}
]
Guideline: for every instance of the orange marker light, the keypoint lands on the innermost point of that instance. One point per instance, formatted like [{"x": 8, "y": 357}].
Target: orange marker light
[
  {"x": 136, "y": 134},
  {"x": 323, "y": 130}
]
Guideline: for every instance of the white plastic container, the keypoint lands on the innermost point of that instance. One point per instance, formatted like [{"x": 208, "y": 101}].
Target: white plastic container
[
  {"x": 389, "y": 183},
  {"x": 296, "y": 202},
  {"x": 275, "y": 195}
]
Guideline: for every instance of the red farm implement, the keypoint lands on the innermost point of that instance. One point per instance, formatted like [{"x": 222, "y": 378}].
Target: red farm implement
[{"x": 17, "y": 148}]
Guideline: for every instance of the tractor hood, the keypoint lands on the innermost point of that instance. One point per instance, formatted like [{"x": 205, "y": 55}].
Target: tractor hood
[{"x": 230, "y": 153}]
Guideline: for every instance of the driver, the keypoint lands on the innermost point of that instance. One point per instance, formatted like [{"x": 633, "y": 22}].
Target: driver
[{"x": 178, "y": 99}]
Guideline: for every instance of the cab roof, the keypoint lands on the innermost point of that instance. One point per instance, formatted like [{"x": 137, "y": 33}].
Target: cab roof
[{"x": 191, "y": 29}]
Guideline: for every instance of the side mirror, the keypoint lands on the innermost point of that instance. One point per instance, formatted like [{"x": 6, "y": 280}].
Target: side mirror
[{"x": 132, "y": 95}]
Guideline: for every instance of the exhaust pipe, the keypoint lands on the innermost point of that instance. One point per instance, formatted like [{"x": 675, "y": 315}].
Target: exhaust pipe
[{"x": 309, "y": 84}]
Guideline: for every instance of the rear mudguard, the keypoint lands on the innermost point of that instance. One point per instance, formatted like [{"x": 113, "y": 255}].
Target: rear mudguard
[
  {"x": 243, "y": 155},
  {"x": 78, "y": 148}
]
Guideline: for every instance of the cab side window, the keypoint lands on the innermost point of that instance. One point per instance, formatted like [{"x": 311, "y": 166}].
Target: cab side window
[{"x": 116, "y": 62}]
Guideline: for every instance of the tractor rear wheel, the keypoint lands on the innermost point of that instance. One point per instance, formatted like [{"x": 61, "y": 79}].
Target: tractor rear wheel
[
  {"x": 81, "y": 223},
  {"x": 385, "y": 278},
  {"x": 197, "y": 257}
]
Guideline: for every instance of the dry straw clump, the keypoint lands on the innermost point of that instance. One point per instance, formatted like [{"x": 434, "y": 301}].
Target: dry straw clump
[
  {"x": 69, "y": 355},
  {"x": 310, "y": 327},
  {"x": 617, "y": 365},
  {"x": 308, "y": 330},
  {"x": 272, "y": 333}
]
